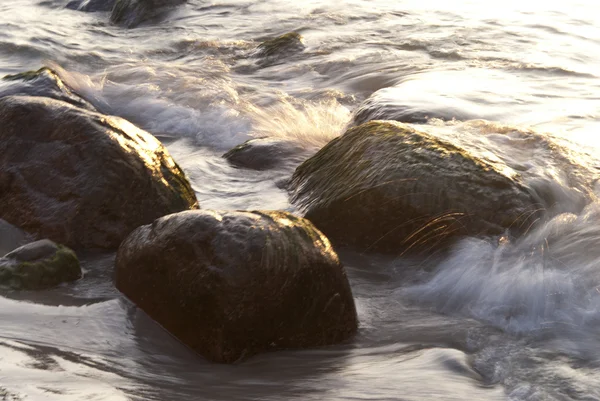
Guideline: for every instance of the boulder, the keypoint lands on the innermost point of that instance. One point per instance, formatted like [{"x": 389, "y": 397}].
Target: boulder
[
  {"x": 91, "y": 6},
  {"x": 384, "y": 186},
  {"x": 263, "y": 153},
  {"x": 130, "y": 13},
  {"x": 81, "y": 178},
  {"x": 43, "y": 82},
  {"x": 38, "y": 265},
  {"x": 11, "y": 237},
  {"x": 272, "y": 50},
  {"x": 232, "y": 284}
]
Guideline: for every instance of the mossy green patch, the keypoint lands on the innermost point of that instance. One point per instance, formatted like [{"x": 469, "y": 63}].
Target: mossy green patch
[{"x": 62, "y": 266}]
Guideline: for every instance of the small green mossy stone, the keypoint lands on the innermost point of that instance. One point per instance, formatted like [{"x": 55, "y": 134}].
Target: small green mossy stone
[{"x": 39, "y": 265}]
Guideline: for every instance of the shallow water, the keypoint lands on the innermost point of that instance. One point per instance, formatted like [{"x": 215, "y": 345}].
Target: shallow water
[{"x": 491, "y": 320}]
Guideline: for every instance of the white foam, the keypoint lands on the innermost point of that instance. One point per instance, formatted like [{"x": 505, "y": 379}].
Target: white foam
[{"x": 548, "y": 279}]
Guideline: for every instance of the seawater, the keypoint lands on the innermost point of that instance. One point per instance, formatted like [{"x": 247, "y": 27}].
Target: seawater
[{"x": 492, "y": 320}]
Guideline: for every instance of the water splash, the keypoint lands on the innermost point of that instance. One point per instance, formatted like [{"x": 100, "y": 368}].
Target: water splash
[
  {"x": 546, "y": 280},
  {"x": 311, "y": 124}
]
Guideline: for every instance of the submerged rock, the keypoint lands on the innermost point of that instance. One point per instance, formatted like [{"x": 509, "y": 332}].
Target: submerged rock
[
  {"x": 130, "y": 13},
  {"x": 233, "y": 284},
  {"x": 384, "y": 186},
  {"x": 380, "y": 107},
  {"x": 11, "y": 237},
  {"x": 81, "y": 178},
  {"x": 91, "y": 5},
  {"x": 43, "y": 82},
  {"x": 263, "y": 153},
  {"x": 280, "y": 47},
  {"x": 38, "y": 265}
]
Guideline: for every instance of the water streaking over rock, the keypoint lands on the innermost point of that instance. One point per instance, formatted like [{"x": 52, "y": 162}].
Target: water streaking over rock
[{"x": 501, "y": 314}]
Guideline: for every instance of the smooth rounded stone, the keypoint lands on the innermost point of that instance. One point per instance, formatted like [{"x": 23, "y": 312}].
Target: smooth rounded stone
[
  {"x": 263, "y": 153},
  {"x": 383, "y": 186},
  {"x": 38, "y": 265},
  {"x": 81, "y": 178},
  {"x": 11, "y": 237},
  {"x": 130, "y": 13},
  {"x": 43, "y": 82},
  {"x": 91, "y": 6},
  {"x": 280, "y": 47},
  {"x": 233, "y": 284}
]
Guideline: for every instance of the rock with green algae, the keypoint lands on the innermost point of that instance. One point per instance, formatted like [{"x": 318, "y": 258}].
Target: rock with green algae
[
  {"x": 280, "y": 47},
  {"x": 44, "y": 82},
  {"x": 383, "y": 186},
  {"x": 131, "y": 13},
  {"x": 81, "y": 178},
  {"x": 233, "y": 284},
  {"x": 39, "y": 265}
]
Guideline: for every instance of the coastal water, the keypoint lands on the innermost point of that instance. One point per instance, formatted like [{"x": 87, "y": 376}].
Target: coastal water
[{"x": 491, "y": 320}]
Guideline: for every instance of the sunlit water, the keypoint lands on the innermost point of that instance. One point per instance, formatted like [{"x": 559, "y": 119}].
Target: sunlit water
[{"x": 493, "y": 320}]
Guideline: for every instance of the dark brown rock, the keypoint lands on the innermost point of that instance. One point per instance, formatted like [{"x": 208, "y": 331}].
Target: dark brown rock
[
  {"x": 81, "y": 178},
  {"x": 131, "y": 13},
  {"x": 233, "y": 284},
  {"x": 264, "y": 153},
  {"x": 384, "y": 186}
]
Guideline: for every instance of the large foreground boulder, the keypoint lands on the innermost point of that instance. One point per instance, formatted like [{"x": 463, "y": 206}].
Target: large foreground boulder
[
  {"x": 384, "y": 186},
  {"x": 233, "y": 284},
  {"x": 81, "y": 178},
  {"x": 38, "y": 265},
  {"x": 130, "y": 13}
]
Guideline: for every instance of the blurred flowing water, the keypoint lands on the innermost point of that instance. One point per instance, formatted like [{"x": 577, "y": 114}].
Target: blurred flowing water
[{"x": 490, "y": 321}]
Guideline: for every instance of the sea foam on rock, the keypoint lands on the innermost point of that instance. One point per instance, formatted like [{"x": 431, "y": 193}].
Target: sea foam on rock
[
  {"x": 38, "y": 265},
  {"x": 130, "y": 13},
  {"x": 232, "y": 284},
  {"x": 384, "y": 186},
  {"x": 81, "y": 178}
]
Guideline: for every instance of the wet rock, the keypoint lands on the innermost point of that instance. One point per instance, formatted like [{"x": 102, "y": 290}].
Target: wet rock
[
  {"x": 91, "y": 5},
  {"x": 280, "y": 47},
  {"x": 81, "y": 178},
  {"x": 38, "y": 265},
  {"x": 43, "y": 82},
  {"x": 263, "y": 153},
  {"x": 11, "y": 237},
  {"x": 233, "y": 284},
  {"x": 130, "y": 13},
  {"x": 384, "y": 186}
]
